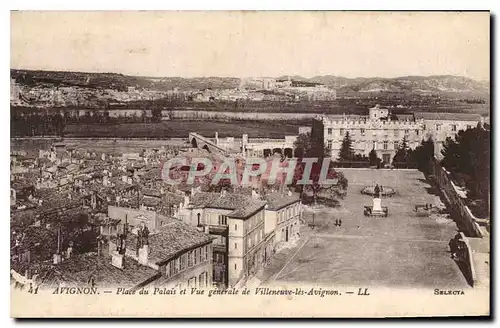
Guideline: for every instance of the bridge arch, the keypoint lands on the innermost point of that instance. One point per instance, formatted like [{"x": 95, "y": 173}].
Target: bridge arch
[{"x": 278, "y": 150}]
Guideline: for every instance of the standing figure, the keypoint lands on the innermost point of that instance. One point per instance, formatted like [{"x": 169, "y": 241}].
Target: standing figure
[{"x": 377, "y": 191}]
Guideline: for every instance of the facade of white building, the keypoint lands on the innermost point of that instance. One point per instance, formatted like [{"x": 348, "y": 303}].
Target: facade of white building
[{"x": 381, "y": 131}]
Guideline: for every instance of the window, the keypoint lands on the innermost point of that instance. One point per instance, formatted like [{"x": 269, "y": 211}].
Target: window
[
  {"x": 176, "y": 265},
  {"x": 438, "y": 127},
  {"x": 183, "y": 261},
  {"x": 192, "y": 282},
  {"x": 201, "y": 280},
  {"x": 418, "y": 132},
  {"x": 195, "y": 257},
  {"x": 235, "y": 266},
  {"x": 168, "y": 272},
  {"x": 330, "y": 144},
  {"x": 362, "y": 132},
  {"x": 222, "y": 220},
  {"x": 453, "y": 127},
  {"x": 396, "y": 133},
  {"x": 206, "y": 253},
  {"x": 200, "y": 255},
  {"x": 341, "y": 132},
  {"x": 396, "y": 145},
  {"x": 407, "y": 132},
  {"x": 329, "y": 131},
  {"x": 199, "y": 222},
  {"x": 386, "y": 143},
  {"x": 235, "y": 246},
  {"x": 235, "y": 227},
  {"x": 190, "y": 259}
]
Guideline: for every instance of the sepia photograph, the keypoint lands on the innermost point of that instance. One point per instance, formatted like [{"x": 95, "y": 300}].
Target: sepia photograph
[{"x": 250, "y": 164}]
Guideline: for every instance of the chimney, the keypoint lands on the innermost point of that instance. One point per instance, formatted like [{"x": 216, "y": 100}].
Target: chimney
[
  {"x": 57, "y": 256},
  {"x": 117, "y": 259},
  {"x": 143, "y": 254},
  {"x": 69, "y": 250}
]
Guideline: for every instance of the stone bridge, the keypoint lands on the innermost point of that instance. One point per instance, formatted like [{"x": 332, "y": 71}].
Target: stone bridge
[{"x": 200, "y": 142}]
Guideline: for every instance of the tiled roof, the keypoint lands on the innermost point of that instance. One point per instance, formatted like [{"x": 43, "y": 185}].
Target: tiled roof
[
  {"x": 171, "y": 239},
  {"x": 148, "y": 201},
  {"x": 404, "y": 117},
  {"x": 171, "y": 199},
  {"x": 79, "y": 269},
  {"x": 151, "y": 192},
  {"x": 448, "y": 116},
  {"x": 242, "y": 205},
  {"x": 276, "y": 200}
]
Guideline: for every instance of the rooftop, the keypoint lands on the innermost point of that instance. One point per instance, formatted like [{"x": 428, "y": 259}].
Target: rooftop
[
  {"x": 276, "y": 200},
  {"x": 242, "y": 205},
  {"x": 448, "y": 116},
  {"x": 81, "y": 268},
  {"x": 173, "y": 238}
]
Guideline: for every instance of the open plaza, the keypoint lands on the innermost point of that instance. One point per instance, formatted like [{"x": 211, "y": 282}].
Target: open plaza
[{"x": 401, "y": 250}]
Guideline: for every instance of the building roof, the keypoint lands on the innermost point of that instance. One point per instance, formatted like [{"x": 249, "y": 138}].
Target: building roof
[
  {"x": 404, "y": 117},
  {"x": 242, "y": 206},
  {"x": 447, "y": 116},
  {"x": 276, "y": 200},
  {"x": 174, "y": 238},
  {"x": 81, "y": 268}
]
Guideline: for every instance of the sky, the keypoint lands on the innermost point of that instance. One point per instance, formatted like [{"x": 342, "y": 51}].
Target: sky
[{"x": 249, "y": 44}]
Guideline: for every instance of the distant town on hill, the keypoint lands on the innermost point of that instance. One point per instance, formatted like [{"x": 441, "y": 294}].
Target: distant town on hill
[
  {"x": 32, "y": 89},
  {"x": 437, "y": 84}
]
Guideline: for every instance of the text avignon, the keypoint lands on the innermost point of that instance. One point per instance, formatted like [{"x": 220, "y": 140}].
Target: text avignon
[{"x": 76, "y": 290}]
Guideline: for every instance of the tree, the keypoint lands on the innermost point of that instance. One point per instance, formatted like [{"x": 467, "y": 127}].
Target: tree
[
  {"x": 423, "y": 154},
  {"x": 468, "y": 158},
  {"x": 374, "y": 160},
  {"x": 302, "y": 145},
  {"x": 156, "y": 113},
  {"x": 403, "y": 154},
  {"x": 346, "y": 151},
  {"x": 308, "y": 146}
]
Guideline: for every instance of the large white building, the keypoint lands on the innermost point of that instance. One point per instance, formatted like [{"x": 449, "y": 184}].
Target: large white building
[{"x": 384, "y": 132}]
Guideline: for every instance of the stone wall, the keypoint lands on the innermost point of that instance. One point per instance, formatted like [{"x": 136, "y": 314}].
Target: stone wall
[{"x": 455, "y": 200}]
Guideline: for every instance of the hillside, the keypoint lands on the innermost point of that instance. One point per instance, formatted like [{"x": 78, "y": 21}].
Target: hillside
[
  {"x": 444, "y": 85},
  {"x": 440, "y": 85},
  {"x": 119, "y": 81}
]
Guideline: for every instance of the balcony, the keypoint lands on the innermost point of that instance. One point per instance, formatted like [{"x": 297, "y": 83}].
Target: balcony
[
  {"x": 219, "y": 248},
  {"x": 218, "y": 230}
]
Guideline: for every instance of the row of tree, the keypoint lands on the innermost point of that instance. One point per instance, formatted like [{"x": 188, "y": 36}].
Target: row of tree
[
  {"x": 36, "y": 124},
  {"x": 467, "y": 157}
]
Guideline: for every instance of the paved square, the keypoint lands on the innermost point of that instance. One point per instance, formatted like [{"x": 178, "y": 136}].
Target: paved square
[{"x": 401, "y": 250}]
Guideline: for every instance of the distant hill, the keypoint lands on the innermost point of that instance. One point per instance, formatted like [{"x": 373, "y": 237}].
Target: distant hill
[
  {"x": 120, "y": 81},
  {"x": 436, "y": 84},
  {"x": 442, "y": 85}
]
